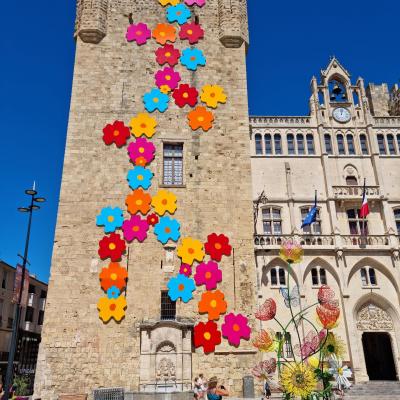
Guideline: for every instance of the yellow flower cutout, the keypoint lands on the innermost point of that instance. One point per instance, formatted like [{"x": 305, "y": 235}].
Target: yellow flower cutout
[
  {"x": 298, "y": 379},
  {"x": 112, "y": 308},
  {"x": 212, "y": 95},
  {"x": 171, "y": 2},
  {"x": 165, "y": 89},
  {"x": 190, "y": 250},
  {"x": 164, "y": 201},
  {"x": 143, "y": 124}
]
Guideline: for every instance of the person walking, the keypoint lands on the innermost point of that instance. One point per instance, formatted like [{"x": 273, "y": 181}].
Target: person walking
[{"x": 215, "y": 392}]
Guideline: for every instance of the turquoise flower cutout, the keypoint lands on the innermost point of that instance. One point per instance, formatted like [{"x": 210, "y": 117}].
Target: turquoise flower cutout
[
  {"x": 139, "y": 177},
  {"x": 192, "y": 58},
  {"x": 155, "y": 100},
  {"x": 181, "y": 287},
  {"x": 110, "y": 218},
  {"x": 166, "y": 229},
  {"x": 179, "y": 13},
  {"x": 113, "y": 292}
]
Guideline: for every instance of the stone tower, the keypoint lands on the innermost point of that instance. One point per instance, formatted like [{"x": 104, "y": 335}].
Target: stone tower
[{"x": 79, "y": 352}]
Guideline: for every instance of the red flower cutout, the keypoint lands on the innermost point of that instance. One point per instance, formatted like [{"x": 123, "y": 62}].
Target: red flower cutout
[
  {"x": 267, "y": 311},
  {"x": 207, "y": 335},
  {"x": 116, "y": 133},
  {"x": 192, "y": 32},
  {"x": 328, "y": 317},
  {"x": 326, "y": 297},
  {"x": 185, "y": 95},
  {"x": 168, "y": 54},
  {"x": 217, "y": 246},
  {"x": 112, "y": 246},
  {"x": 152, "y": 219}
]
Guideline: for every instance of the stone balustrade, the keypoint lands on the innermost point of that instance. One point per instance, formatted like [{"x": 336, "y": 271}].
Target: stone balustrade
[
  {"x": 280, "y": 121},
  {"x": 352, "y": 192},
  {"x": 387, "y": 122}
]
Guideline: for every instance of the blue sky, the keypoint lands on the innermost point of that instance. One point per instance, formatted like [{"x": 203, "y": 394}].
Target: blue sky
[{"x": 290, "y": 42}]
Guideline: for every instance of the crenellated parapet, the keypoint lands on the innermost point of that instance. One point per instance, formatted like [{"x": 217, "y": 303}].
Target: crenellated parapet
[
  {"x": 394, "y": 104},
  {"x": 91, "y": 20}
]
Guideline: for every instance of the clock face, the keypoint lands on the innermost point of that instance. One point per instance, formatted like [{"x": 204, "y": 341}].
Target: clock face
[{"x": 341, "y": 114}]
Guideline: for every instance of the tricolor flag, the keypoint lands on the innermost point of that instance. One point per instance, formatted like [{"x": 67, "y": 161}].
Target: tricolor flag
[{"x": 364, "y": 210}]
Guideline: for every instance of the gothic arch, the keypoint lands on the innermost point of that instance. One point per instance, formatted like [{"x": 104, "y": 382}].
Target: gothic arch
[
  {"x": 276, "y": 262},
  {"x": 166, "y": 347},
  {"x": 320, "y": 262}
]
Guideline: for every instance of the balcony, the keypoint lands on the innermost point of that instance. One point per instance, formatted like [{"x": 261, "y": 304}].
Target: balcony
[
  {"x": 365, "y": 241},
  {"x": 273, "y": 241},
  {"x": 356, "y": 192}
]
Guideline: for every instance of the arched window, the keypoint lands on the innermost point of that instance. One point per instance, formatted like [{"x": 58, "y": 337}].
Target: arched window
[
  {"x": 381, "y": 144},
  {"x": 257, "y": 139},
  {"x": 310, "y": 144},
  {"x": 337, "y": 91},
  {"x": 364, "y": 144},
  {"x": 318, "y": 276},
  {"x": 355, "y": 98},
  {"x": 372, "y": 277},
  {"x": 328, "y": 143},
  {"x": 290, "y": 142},
  {"x": 272, "y": 221},
  {"x": 368, "y": 277},
  {"x": 351, "y": 181},
  {"x": 340, "y": 144},
  {"x": 268, "y": 143},
  {"x": 364, "y": 277},
  {"x": 391, "y": 144},
  {"x": 398, "y": 142},
  {"x": 397, "y": 219},
  {"x": 314, "y": 277},
  {"x": 274, "y": 277},
  {"x": 315, "y": 227},
  {"x": 322, "y": 276},
  {"x": 300, "y": 144},
  {"x": 350, "y": 144},
  {"x": 278, "y": 276},
  {"x": 278, "y": 143},
  {"x": 282, "y": 277}
]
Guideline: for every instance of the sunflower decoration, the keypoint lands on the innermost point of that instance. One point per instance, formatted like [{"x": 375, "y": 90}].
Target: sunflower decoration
[
  {"x": 333, "y": 346},
  {"x": 298, "y": 379}
]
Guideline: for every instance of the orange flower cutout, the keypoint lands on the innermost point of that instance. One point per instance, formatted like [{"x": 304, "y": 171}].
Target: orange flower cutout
[
  {"x": 139, "y": 200},
  {"x": 212, "y": 303},
  {"x": 113, "y": 275},
  {"x": 200, "y": 117},
  {"x": 164, "y": 33}
]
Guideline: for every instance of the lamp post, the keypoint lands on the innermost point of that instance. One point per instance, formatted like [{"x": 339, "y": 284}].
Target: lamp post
[{"x": 17, "y": 314}]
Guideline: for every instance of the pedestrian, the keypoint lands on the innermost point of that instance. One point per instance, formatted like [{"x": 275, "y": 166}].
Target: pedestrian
[
  {"x": 215, "y": 392},
  {"x": 198, "y": 391},
  {"x": 267, "y": 390}
]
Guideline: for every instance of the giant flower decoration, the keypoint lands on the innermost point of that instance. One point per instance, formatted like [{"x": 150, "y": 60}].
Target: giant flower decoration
[
  {"x": 111, "y": 308},
  {"x": 143, "y": 124},
  {"x": 139, "y": 33},
  {"x": 199, "y": 3},
  {"x": 111, "y": 247},
  {"x": 155, "y": 100},
  {"x": 167, "y": 229},
  {"x": 340, "y": 372},
  {"x": 168, "y": 54},
  {"x": 139, "y": 177},
  {"x": 116, "y": 133},
  {"x": 192, "y": 58},
  {"x": 326, "y": 297},
  {"x": 200, "y": 117},
  {"x": 217, "y": 246},
  {"x": 113, "y": 292},
  {"x": 164, "y": 201},
  {"x": 138, "y": 201},
  {"x": 235, "y": 328},
  {"x": 264, "y": 341},
  {"x": 152, "y": 219},
  {"x": 169, "y": 2},
  {"x": 291, "y": 251},
  {"x": 267, "y": 311},
  {"x": 311, "y": 344},
  {"x": 179, "y": 13},
  {"x": 181, "y": 287},
  {"x": 191, "y": 32},
  {"x": 110, "y": 218},
  {"x": 328, "y": 317},
  {"x": 185, "y": 269},
  {"x": 141, "y": 151},
  {"x": 298, "y": 379},
  {"x": 264, "y": 369},
  {"x": 212, "y": 303},
  {"x": 113, "y": 276},
  {"x": 208, "y": 274},
  {"x": 185, "y": 95},
  {"x": 212, "y": 95},
  {"x": 333, "y": 345},
  {"x": 167, "y": 77},
  {"x": 206, "y": 335},
  {"x": 190, "y": 250},
  {"x": 135, "y": 228},
  {"x": 164, "y": 33}
]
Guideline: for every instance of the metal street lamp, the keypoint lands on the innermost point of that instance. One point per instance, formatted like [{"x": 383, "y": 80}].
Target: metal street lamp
[{"x": 17, "y": 315}]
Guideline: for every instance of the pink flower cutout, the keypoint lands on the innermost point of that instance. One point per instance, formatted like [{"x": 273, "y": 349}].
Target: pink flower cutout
[
  {"x": 135, "y": 228},
  {"x": 235, "y": 328},
  {"x": 208, "y": 274},
  {"x": 141, "y": 147},
  {"x": 192, "y": 32},
  {"x": 185, "y": 269},
  {"x": 139, "y": 33},
  {"x": 168, "y": 54},
  {"x": 168, "y": 77},
  {"x": 199, "y": 3}
]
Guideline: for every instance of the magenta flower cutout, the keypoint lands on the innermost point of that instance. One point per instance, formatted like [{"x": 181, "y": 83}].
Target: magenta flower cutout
[
  {"x": 168, "y": 77},
  {"x": 208, "y": 274},
  {"x": 185, "y": 269},
  {"x": 135, "y": 228},
  {"x": 138, "y": 33},
  {"x": 235, "y": 328},
  {"x": 141, "y": 149},
  {"x": 199, "y": 3}
]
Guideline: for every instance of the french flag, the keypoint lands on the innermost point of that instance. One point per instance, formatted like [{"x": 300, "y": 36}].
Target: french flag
[{"x": 364, "y": 210}]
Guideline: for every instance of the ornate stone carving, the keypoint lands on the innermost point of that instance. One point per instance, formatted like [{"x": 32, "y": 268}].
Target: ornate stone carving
[
  {"x": 373, "y": 318},
  {"x": 166, "y": 370}
]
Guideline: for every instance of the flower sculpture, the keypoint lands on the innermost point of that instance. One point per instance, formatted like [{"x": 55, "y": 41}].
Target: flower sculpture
[
  {"x": 185, "y": 95},
  {"x": 326, "y": 297},
  {"x": 212, "y": 303},
  {"x": 111, "y": 247},
  {"x": 179, "y": 13},
  {"x": 340, "y": 372},
  {"x": 192, "y": 58},
  {"x": 208, "y": 274},
  {"x": 135, "y": 228},
  {"x": 191, "y": 32},
  {"x": 112, "y": 308},
  {"x": 139, "y": 177},
  {"x": 267, "y": 311},
  {"x": 138, "y": 201},
  {"x": 164, "y": 33},
  {"x": 298, "y": 379},
  {"x": 169, "y": 2},
  {"x": 181, "y": 287},
  {"x": 264, "y": 341},
  {"x": 328, "y": 317},
  {"x": 113, "y": 292},
  {"x": 167, "y": 229},
  {"x": 264, "y": 369},
  {"x": 141, "y": 151},
  {"x": 139, "y": 33},
  {"x": 200, "y": 117},
  {"x": 235, "y": 328},
  {"x": 155, "y": 100},
  {"x": 333, "y": 345},
  {"x": 311, "y": 344},
  {"x": 291, "y": 251},
  {"x": 190, "y": 250},
  {"x": 167, "y": 77},
  {"x": 164, "y": 201},
  {"x": 212, "y": 95},
  {"x": 152, "y": 219},
  {"x": 116, "y": 133},
  {"x": 217, "y": 246},
  {"x": 110, "y": 218},
  {"x": 113, "y": 276},
  {"x": 185, "y": 269},
  {"x": 199, "y": 3},
  {"x": 143, "y": 124},
  {"x": 168, "y": 54},
  {"x": 207, "y": 335}
]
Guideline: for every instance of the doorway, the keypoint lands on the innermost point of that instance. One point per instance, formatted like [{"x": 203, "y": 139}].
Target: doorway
[{"x": 378, "y": 355}]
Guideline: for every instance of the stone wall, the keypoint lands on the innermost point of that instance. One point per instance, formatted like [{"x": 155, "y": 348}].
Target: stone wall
[{"x": 378, "y": 98}]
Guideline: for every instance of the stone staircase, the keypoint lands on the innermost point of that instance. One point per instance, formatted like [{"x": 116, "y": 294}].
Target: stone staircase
[{"x": 376, "y": 390}]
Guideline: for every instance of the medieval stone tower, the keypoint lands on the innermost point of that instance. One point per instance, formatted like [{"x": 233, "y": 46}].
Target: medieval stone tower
[{"x": 145, "y": 352}]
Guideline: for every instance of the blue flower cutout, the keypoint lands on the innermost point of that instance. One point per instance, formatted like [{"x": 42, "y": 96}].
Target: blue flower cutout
[
  {"x": 192, "y": 58},
  {"x": 110, "y": 218},
  {"x": 166, "y": 229},
  {"x": 181, "y": 287},
  {"x": 179, "y": 13},
  {"x": 155, "y": 100},
  {"x": 139, "y": 177},
  {"x": 113, "y": 292}
]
